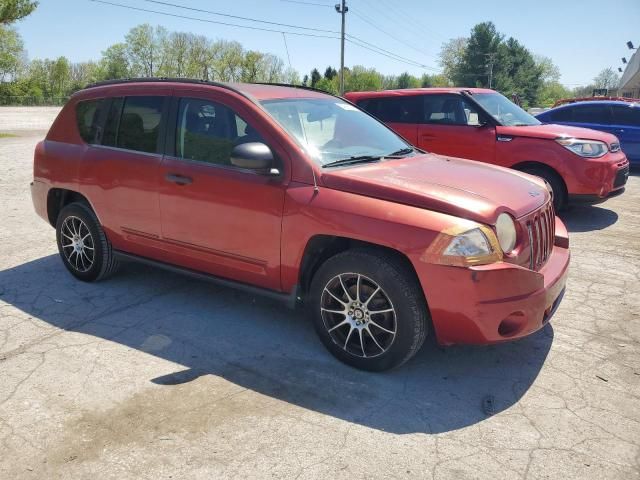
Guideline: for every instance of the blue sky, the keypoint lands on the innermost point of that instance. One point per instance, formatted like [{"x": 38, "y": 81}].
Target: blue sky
[{"x": 582, "y": 37}]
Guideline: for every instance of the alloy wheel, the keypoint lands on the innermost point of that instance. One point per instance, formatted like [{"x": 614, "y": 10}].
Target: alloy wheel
[
  {"x": 358, "y": 315},
  {"x": 77, "y": 244}
]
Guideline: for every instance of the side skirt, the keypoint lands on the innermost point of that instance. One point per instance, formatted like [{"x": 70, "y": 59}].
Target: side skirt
[{"x": 290, "y": 299}]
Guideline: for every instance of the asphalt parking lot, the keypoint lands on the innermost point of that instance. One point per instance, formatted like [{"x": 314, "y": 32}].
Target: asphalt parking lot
[{"x": 153, "y": 375}]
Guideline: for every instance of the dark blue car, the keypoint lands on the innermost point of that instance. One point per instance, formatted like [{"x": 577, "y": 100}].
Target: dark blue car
[{"x": 617, "y": 117}]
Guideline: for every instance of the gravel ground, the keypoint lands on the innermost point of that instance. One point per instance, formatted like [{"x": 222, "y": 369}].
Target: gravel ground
[
  {"x": 27, "y": 120},
  {"x": 152, "y": 375}
]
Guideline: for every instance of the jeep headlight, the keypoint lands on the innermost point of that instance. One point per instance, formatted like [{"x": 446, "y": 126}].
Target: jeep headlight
[
  {"x": 465, "y": 244},
  {"x": 473, "y": 243},
  {"x": 506, "y": 232},
  {"x": 584, "y": 148}
]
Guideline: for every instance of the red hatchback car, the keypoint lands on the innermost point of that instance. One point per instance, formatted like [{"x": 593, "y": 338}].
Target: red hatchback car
[
  {"x": 581, "y": 165},
  {"x": 301, "y": 196}
]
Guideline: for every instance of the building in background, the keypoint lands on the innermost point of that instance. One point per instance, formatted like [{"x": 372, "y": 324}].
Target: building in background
[{"x": 630, "y": 80}]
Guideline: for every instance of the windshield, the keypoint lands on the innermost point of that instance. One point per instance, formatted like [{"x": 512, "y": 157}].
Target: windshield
[
  {"x": 331, "y": 129},
  {"x": 504, "y": 111}
]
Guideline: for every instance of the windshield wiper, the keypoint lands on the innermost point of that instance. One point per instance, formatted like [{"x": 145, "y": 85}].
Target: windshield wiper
[
  {"x": 353, "y": 160},
  {"x": 402, "y": 151}
]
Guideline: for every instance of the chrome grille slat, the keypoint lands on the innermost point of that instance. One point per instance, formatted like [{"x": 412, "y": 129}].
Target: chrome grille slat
[{"x": 541, "y": 231}]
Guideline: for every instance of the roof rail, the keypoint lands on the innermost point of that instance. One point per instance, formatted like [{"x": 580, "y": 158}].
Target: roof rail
[
  {"x": 152, "y": 79},
  {"x": 293, "y": 85}
]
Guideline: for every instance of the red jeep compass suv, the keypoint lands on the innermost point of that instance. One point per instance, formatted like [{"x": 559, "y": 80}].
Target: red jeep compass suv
[
  {"x": 303, "y": 197},
  {"x": 581, "y": 165}
]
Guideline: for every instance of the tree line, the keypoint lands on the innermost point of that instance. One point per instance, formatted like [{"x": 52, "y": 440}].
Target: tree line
[
  {"x": 145, "y": 52},
  {"x": 482, "y": 59}
]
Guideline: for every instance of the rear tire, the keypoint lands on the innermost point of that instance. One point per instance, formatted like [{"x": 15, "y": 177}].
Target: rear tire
[
  {"x": 368, "y": 309},
  {"x": 557, "y": 185},
  {"x": 83, "y": 246}
]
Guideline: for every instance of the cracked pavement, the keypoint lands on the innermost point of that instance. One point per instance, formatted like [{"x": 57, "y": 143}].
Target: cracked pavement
[{"x": 154, "y": 375}]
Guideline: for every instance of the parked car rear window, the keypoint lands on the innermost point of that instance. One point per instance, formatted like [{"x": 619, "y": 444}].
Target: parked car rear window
[
  {"x": 449, "y": 110},
  {"x": 626, "y": 115},
  {"x": 137, "y": 127},
  {"x": 591, "y": 114},
  {"x": 208, "y": 131},
  {"x": 393, "y": 110},
  {"x": 87, "y": 116}
]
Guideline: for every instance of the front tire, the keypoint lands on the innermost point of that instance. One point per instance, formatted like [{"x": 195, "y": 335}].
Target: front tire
[
  {"x": 368, "y": 309},
  {"x": 83, "y": 246}
]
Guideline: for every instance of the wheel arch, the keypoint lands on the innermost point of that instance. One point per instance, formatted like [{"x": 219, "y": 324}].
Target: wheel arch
[
  {"x": 58, "y": 198},
  {"x": 523, "y": 166},
  {"x": 320, "y": 248}
]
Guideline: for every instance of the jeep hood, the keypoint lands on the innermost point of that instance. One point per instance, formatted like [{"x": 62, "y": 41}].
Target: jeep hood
[
  {"x": 551, "y": 131},
  {"x": 463, "y": 188}
]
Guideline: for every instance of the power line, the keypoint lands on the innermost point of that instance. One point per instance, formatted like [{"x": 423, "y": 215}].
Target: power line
[
  {"x": 308, "y": 3},
  {"x": 351, "y": 38},
  {"x": 390, "y": 54},
  {"x": 386, "y": 53},
  {"x": 210, "y": 21},
  {"x": 407, "y": 18},
  {"x": 365, "y": 19},
  {"x": 248, "y": 19}
]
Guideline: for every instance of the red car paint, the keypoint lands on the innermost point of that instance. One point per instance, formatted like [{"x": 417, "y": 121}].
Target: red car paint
[
  {"x": 585, "y": 179},
  {"x": 256, "y": 229}
]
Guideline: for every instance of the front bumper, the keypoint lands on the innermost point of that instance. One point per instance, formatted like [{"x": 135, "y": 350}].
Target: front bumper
[
  {"x": 598, "y": 179},
  {"x": 495, "y": 303}
]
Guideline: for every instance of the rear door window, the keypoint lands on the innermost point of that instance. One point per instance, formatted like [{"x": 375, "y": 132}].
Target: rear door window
[
  {"x": 401, "y": 109},
  {"x": 626, "y": 115},
  {"x": 134, "y": 123},
  {"x": 88, "y": 118},
  {"x": 592, "y": 114}
]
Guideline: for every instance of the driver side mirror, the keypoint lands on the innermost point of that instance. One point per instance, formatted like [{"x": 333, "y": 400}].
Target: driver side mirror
[{"x": 253, "y": 156}]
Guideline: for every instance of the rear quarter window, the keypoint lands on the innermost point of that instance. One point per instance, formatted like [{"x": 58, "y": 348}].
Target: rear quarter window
[{"x": 87, "y": 117}]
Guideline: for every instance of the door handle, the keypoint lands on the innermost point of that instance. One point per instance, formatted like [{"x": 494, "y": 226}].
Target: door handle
[{"x": 178, "y": 179}]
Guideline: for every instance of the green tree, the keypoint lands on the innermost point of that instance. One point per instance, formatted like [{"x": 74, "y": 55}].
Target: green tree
[
  {"x": 607, "y": 78},
  {"x": 114, "y": 63},
  {"x": 451, "y": 55},
  {"x": 552, "y": 92},
  {"x": 517, "y": 72},
  {"x": 13, "y": 10},
  {"x": 437, "y": 80},
  {"x": 315, "y": 77},
  {"x": 481, "y": 50},
  {"x": 12, "y": 53},
  {"x": 145, "y": 49},
  {"x": 405, "y": 80},
  {"x": 330, "y": 73},
  {"x": 60, "y": 77},
  {"x": 360, "y": 78}
]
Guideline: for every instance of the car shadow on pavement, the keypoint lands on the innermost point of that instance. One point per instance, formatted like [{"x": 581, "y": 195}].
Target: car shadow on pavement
[
  {"x": 262, "y": 346},
  {"x": 586, "y": 218}
]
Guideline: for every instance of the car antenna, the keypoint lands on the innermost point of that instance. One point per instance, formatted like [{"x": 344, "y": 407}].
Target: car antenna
[{"x": 315, "y": 182}]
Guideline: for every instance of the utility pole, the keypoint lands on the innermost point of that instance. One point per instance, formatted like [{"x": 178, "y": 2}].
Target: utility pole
[
  {"x": 342, "y": 9},
  {"x": 490, "y": 59}
]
